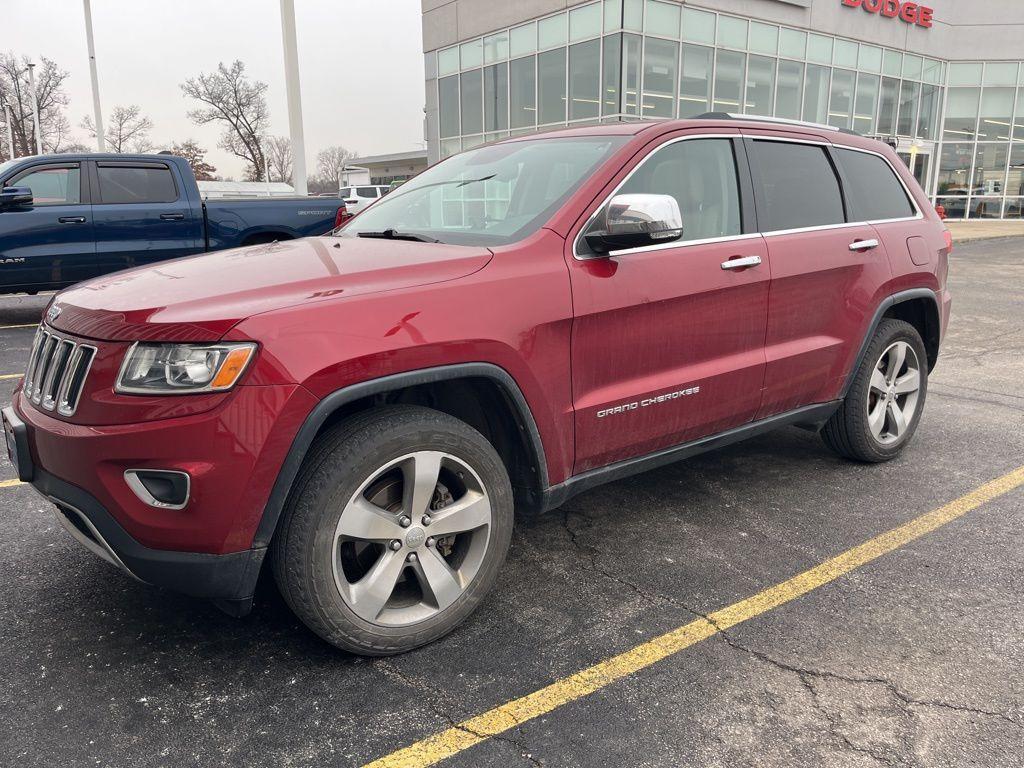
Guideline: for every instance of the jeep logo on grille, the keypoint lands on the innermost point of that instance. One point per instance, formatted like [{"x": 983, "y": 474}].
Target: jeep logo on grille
[{"x": 53, "y": 312}]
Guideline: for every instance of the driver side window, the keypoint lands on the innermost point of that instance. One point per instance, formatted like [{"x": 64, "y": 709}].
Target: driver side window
[
  {"x": 51, "y": 185},
  {"x": 701, "y": 175}
]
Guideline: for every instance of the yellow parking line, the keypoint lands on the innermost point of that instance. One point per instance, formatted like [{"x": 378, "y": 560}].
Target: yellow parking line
[
  {"x": 10, "y": 483},
  {"x": 25, "y": 325},
  {"x": 468, "y": 733},
  {"x": 11, "y": 375}
]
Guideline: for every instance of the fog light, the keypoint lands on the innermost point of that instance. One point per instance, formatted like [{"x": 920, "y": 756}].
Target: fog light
[{"x": 163, "y": 488}]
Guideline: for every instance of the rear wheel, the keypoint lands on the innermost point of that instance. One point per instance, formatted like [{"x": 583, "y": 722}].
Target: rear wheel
[
  {"x": 396, "y": 529},
  {"x": 881, "y": 411}
]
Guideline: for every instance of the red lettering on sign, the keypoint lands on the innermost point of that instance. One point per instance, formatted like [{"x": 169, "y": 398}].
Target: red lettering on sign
[{"x": 909, "y": 12}]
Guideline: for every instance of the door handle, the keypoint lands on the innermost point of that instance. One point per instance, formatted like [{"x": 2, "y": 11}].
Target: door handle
[
  {"x": 72, "y": 219},
  {"x": 863, "y": 245},
  {"x": 741, "y": 263},
  {"x": 172, "y": 216}
]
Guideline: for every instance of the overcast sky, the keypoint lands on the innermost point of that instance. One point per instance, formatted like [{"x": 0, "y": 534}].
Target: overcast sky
[{"x": 360, "y": 63}]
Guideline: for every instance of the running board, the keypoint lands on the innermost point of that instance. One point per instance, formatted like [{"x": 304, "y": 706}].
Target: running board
[{"x": 810, "y": 417}]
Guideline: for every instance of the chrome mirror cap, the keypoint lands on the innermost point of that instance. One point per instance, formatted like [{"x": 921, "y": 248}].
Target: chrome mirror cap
[{"x": 634, "y": 220}]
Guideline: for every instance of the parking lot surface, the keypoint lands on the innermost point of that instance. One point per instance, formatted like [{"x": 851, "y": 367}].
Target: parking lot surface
[{"x": 915, "y": 658}]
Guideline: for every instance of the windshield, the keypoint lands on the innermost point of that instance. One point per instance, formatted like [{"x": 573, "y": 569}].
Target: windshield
[{"x": 488, "y": 196}]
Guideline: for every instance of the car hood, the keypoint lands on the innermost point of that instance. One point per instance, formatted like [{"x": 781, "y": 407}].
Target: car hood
[{"x": 202, "y": 297}]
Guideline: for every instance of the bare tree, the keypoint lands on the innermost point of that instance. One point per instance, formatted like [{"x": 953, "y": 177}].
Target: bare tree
[
  {"x": 127, "y": 129},
  {"x": 196, "y": 157},
  {"x": 240, "y": 105},
  {"x": 75, "y": 147},
  {"x": 331, "y": 162},
  {"x": 279, "y": 158},
  {"x": 14, "y": 90}
]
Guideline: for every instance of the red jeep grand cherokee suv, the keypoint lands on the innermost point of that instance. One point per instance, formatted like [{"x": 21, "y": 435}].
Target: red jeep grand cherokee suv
[{"x": 517, "y": 324}]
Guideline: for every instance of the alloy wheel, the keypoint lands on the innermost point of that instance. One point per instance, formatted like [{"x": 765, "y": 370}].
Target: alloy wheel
[
  {"x": 411, "y": 539},
  {"x": 893, "y": 393}
]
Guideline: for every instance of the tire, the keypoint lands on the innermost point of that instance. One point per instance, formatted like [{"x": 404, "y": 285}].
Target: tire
[
  {"x": 856, "y": 431},
  {"x": 343, "y": 536}
]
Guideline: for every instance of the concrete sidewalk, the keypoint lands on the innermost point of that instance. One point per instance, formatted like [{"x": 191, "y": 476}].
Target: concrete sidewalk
[{"x": 965, "y": 231}]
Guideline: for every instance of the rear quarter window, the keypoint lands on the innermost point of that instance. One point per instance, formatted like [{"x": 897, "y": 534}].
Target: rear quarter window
[
  {"x": 345, "y": 192},
  {"x": 873, "y": 191},
  {"x": 799, "y": 187},
  {"x": 367, "y": 192}
]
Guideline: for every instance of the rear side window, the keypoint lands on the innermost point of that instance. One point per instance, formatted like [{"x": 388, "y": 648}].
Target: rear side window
[
  {"x": 873, "y": 191},
  {"x": 366, "y": 191},
  {"x": 701, "y": 175},
  {"x": 799, "y": 188},
  {"x": 127, "y": 184},
  {"x": 345, "y": 192}
]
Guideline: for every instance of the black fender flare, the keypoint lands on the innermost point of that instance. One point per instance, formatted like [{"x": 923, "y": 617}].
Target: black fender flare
[
  {"x": 335, "y": 400},
  {"x": 887, "y": 303}
]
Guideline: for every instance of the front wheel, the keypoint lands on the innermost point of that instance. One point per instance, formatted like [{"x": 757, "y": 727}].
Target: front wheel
[
  {"x": 396, "y": 529},
  {"x": 883, "y": 407}
]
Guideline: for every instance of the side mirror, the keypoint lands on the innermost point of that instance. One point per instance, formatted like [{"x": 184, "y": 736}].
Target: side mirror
[
  {"x": 11, "y": 197},
  {"x": 631, "y": 221}
]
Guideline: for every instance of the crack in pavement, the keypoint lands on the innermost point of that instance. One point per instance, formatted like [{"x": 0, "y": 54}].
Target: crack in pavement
[{"x": 439, "y": 707}]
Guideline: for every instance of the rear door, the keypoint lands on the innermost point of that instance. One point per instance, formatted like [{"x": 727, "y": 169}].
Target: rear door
[
  {"x": 51, "y": 242},
  {"x": 667, "y": 343},
  {"x": 142, "y": 214},
  {"x": 826, "y": 271}
]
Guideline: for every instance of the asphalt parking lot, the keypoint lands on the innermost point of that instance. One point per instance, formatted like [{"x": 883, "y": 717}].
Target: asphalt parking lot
[{"x": 916, "y": 658}]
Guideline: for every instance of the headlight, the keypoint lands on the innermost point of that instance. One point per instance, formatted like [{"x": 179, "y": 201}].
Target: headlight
[{"x": 163, "y": 369}]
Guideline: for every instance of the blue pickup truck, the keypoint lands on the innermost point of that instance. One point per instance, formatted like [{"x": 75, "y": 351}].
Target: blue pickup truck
[{"x": 66, "y": 218}]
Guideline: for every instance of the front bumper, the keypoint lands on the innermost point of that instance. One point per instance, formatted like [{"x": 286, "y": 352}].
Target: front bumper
[{"x": 229, "y": 579}]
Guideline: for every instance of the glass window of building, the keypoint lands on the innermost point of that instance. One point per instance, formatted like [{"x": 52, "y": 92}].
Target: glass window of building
[
  {"x": 701, "y": 175},
  {"x": 819, "y": 49},
  {"x": 961, "y": 113},
  {"x": 695, "y": 80},
  {"x": 799, "y": 187},
  {"x": 864, "y": 104},
  {"x": 816, "y": 93},
  {"x": 840, "y": 106},
  {"x": 912, "y": 66},
  {"x": 873, "y": 192},
  {"x": 732, "y": 32},
  {"x": 1015, "y": 175},
  {"x": 633, "y": 15},
  {"x": 448, "y": 61},
  {"x": 1001, "y": 73},
  {"x": 496, "y": 48},
  {"x": 662, "y": 19},
  {"x": 932, "y": 71},
  {"x": 760, "y": 85},
  {"x": 790, "y": 89},
  {"x": 611, "y": 75},
  {"x": 612, "y": 15},
  {"x": 496, "y": 97},
  {"x": 990, "y": 169},
  {"x": 892, "y": 63},
  {"x": 1018, "y": 121},
  {"x": 660, "y": 57},
  {"x": 472, "y": 101},
  {"x": 585, "y": 22},
  {"x": 631, "y": 45},
  {"x": 551, "y": 31},
  {"x": 729, "y": 67},
  {"x": 954, "y": 168},
  {"x": 926, "y": 127},
  {"x": 996, "y": 114},
  {"x": 910, "y": 99},
  {"x": 523, "y": 40},
  {"x": 523, "y": 92},
  {"x": 870, "y": 58},
  {"x": 764, "y": 38},
  {"x": 551, "y": 87},
  {"x": 584, "y": 80},
  {"x": 887, "y": 103},
  {"x": 471, "y": 54},
  {"x": 965, "y": 73},
  {"x": 792, "y": 43},
  {"x": 698, "y": 26},
  {"x": 845, "y": 54},
  {"x": 448, "y": 106}
]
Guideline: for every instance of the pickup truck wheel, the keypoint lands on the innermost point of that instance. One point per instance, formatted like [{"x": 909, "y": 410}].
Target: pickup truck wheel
[
  {"x": 394, "y": 531},
  {"x": 883, "y": 407}
]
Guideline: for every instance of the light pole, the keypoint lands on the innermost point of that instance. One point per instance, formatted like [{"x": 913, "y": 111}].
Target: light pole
[
  {"x": 100, "y": 140},
  {"x": 35, "y": 107},
  {"x": 291, "y": 80},
  {"x": 10, "y": 129}
]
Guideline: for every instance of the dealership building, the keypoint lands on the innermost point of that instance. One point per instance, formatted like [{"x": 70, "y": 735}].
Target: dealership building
[{"x": 943, "y": 82}]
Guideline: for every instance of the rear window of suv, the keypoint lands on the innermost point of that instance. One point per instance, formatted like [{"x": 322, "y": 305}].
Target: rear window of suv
[
  {"x": 798, "y": 185},
  {"x": 873, "y": 191}
]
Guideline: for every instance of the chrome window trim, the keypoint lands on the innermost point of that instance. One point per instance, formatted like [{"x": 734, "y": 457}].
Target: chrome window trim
[{"x": 769, "y": 233}]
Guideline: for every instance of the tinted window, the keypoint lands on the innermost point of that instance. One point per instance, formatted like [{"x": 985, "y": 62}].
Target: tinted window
[
  {"x": 799, "y": 188},
  {"x": 51, "y": 186},
  {"x": 124, "y": 184},
  {"x": 873, "y": 190},
  {"x": 366, "y": 191},
  {"x": 345, "y": 192},
  {"x": 701, "y": 176}
]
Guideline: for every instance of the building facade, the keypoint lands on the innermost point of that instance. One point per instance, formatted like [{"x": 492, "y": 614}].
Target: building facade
[{"x": 943, "y": 83}]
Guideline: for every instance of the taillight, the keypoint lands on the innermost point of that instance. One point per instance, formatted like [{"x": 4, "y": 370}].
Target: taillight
[
  {"x": 948, "y": 236},
  {"x": 341, "y": 216}
]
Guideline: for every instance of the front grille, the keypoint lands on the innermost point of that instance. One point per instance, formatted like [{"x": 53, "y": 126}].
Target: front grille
[{"x": 57, "y": 369}]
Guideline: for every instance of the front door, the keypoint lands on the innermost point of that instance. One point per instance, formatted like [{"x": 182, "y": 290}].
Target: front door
[
  {"x": 49, "y": 243},
  {"x": 667, "y": 344}
]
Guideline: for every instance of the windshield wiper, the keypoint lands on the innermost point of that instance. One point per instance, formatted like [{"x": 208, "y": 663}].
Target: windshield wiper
[{"x": 394, "y": 234}]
